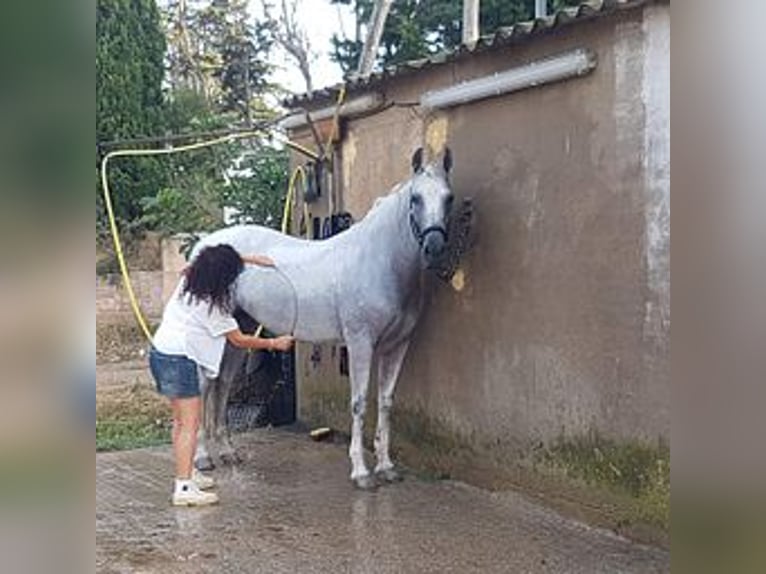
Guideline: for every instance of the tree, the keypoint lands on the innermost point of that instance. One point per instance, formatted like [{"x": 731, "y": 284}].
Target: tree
[
  {"x": 182, "y": 72},
  {"x": 189, "y": 200},
  {"x": 217, "y": 51},
  {"x": 258, "y": 186},
  {"x": 375, "y": 27},
  {"x": 248, "y": 176},
  {"x": 291, "y": 36},
  {"x": 417, "y": 28},
  {"x": 130, "y": 49},
  {"x": 216, "y": 77}
]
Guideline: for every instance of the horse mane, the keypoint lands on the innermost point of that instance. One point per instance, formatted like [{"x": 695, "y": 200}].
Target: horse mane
[{"x": 384, "y": 200}]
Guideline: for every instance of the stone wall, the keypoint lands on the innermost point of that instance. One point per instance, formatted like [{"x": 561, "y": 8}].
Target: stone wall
[
  {"x": 113, "y": 304},
  {"x": 152, "y": 288}
]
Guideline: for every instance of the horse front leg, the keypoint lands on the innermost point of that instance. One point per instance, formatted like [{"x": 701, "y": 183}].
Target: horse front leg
[
  {"x": 360, "y": 361},
  {"x": 202, "y": 458},
  {"x": 389, "y": 366}
]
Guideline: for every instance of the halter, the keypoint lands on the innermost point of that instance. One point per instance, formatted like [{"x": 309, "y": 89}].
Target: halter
[{"x": 420, "y": 234}]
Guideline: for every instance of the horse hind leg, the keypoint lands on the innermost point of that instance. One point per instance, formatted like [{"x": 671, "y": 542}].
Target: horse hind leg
[
  {"x": 389, "y": 366},
  {"x": 226, "y": 450},
  {"x": 360, "y": 362},
  {"x": 202, "y": 458},
  {"x": 232, "y": 368}
]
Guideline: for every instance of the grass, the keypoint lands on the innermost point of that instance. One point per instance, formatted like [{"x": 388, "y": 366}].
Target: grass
[
  {"x": 131, "y": 416},
  {"x": 622, "y": 485},
  {"x": 439, "y": 451},
  {"x": 130, "y": 434},
  {"x": 639, "y": 470}
]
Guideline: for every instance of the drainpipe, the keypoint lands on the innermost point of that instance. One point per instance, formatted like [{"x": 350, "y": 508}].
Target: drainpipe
[{"x": 541, "y": 8}]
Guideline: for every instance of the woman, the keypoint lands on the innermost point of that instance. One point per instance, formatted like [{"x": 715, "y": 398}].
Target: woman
[{"x": 196, "y": 324}]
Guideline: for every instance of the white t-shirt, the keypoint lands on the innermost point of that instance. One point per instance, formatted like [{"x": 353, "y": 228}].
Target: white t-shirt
[{"x": 195, "y": 330}]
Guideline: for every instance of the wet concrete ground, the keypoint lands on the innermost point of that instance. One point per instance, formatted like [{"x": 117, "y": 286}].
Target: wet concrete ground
[{"x": 290, "y": 508}]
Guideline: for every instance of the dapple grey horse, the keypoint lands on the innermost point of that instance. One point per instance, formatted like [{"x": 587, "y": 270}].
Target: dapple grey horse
[{"x": 363, "y": 287}]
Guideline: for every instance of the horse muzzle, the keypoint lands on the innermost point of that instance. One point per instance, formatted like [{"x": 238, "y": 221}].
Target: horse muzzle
[{"x": 434, "y": 245}]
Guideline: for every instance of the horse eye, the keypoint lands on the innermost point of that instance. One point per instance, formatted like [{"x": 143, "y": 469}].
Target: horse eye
[
  {"x": 416, "y": 200},
  {"x": 449, "y": 201}
]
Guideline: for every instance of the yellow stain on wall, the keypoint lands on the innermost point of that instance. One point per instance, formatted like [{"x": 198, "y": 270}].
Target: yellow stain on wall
[
  {"x": 458, "y": 280},
  {"x": 436, "y": 135}
]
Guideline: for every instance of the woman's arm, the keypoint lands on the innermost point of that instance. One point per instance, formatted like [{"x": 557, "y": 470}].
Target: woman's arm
[
  {"x": 239, "y": 339},
  {"x": 261, "y": 260}
]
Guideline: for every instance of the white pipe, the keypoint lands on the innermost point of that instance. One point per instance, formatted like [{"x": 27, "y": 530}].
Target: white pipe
[
  {"x": 541, "y": 8},
  {"x": 470, "y": 21},
  {"x": 568, "y": 65},
  {"x": 353, "y": 107}
]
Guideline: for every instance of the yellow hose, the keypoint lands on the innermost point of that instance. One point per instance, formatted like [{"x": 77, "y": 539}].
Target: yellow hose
[
  {"x": 136, "y": 308},
  {"x": 299, "y": 171}
]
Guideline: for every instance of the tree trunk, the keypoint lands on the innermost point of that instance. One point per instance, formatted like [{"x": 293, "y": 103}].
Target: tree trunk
[
  {"x": 470, "y": 21},
  {"x": 374, "y": 34}
]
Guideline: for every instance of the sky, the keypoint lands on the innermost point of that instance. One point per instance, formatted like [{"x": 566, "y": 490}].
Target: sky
[{"x": 320, "y": 19}]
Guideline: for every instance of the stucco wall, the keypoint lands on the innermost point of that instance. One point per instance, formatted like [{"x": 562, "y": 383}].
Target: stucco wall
[{"x": 562, "y": 325}]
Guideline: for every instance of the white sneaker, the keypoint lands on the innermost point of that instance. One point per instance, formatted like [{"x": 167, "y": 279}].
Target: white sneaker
[
  {"x": 191, "y": 495},
  {"x": 202, "y": 481}
]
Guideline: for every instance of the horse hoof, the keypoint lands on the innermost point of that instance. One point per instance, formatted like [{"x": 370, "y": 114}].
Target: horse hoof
[
  {"x": 230, "y": 459},
  {"x": 389, "y": 475},
  {"x": 204, "y": 463},
  {"x": 366, "y": 482}
]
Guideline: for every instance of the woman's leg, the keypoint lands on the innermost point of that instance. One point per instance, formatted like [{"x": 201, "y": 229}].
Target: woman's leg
[{"x": 186, "y": 418}]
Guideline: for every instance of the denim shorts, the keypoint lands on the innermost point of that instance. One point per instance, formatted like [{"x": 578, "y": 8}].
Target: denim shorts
[{"x": 175, "y": 375}]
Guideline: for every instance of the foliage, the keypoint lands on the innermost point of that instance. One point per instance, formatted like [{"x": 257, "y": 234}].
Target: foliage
[
  {"x": 172, "y": 211},
  {"x": 640, "y": 469},
  {"x": 417, "y": 28},
  {"x": 186, "y": 202},
  {"x": 258, "y": 186},
  {"x": 291, "y": 35},
  {"x": 215, "y": 51},
  {"x": 254, "y": 190},
  {"x": 248, "y": 176},
  {"x": 129, "y": 68},
  {"x": 215, "y": 74},
  {"x": 131, "y": 416},
  {"x": 216, "y": 79},
  {"x": 130, "y": 434}
]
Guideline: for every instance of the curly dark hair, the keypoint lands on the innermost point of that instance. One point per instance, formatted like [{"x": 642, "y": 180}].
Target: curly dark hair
[{"x": 210, "y": 276}]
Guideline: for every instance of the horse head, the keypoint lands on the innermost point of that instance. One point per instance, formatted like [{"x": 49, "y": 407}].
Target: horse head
[{"x": 430, "y": 205}]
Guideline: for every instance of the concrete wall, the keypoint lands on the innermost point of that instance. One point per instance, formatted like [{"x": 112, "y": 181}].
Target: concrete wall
[{"x": 562, "y": 323}]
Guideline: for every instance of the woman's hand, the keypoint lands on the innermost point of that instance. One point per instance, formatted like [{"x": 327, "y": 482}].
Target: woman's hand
[
  {"x": 239, "y": 339},
  {"x": 261, "y": 260},
  {"x": 283, "y": 343}
]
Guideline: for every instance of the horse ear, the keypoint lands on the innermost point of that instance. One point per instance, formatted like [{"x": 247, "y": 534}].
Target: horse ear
[
  {"x": 417, "y": 160},
  {"x": 447, "y": 160}
]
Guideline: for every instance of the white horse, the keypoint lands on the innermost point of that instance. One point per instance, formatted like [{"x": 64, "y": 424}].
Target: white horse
[{"x": 362, "y": 287}]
